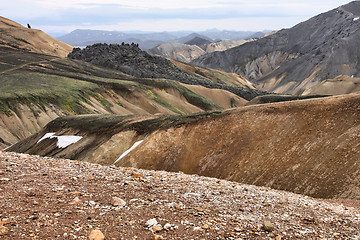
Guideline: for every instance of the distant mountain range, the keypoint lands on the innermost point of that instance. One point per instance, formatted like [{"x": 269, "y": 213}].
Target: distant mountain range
[
  {"x": 147, "y": 40},
  {"x": 320, "y": 55}
]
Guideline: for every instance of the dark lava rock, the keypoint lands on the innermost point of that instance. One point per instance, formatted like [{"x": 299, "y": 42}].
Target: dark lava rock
[{"x": 130, "y": 59}]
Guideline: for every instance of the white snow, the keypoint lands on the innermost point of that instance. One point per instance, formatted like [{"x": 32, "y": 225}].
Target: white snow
[
  {"x": 129, "y": 150},
  {"x": 65, "y": 141},
  {"x": 8, "y": 147},
  {"x": 357, "y": 18},
  {"x": 62, "y": 141},
  {"x": 47, "y": 135}
]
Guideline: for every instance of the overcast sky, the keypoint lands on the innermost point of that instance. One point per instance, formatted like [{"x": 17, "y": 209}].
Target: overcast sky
[{"x": 163, "y": 15}]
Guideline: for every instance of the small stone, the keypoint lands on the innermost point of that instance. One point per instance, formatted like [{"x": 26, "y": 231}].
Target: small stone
[
  {"x": 167, "y": 226},
  {"x": 237, "y": 229},
  {"x": 76, "y": 201},
  {"x": 137, "y": 175},
  {"x": 158, "y": 237},
  {"x": 59, "y": 189},
  {"x": 151, "y": 199},
  {"x": 157, "y": 228},
  {"x": 118, "y": 202},
  {"x": 3, "y": 230},
  {"x": 197, "y": 229},
  {"x": 76, "y": 193},
  {"x": 57, "y": 214},
  {"x": 268, "y": 226},
  {"x": 4, "y": 179},
  {"x": 199, "y": 209},
  {"x": 278, "y": 237},
  {"x": 205, "y": 226},
  {"x": 96, "y": 235},
  {"x": 150, "y": 223}
]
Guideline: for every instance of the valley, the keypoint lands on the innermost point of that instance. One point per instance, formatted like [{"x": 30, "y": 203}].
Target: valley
[
  {"x": 306, "y": 146},
  {"x": 254, "y": 135}
]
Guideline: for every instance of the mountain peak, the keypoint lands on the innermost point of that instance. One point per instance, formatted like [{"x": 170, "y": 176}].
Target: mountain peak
[
  {"x": 352, "y": 7},
  {"x": 299, "y": 59},
  {"x": 199, "y": 41}
]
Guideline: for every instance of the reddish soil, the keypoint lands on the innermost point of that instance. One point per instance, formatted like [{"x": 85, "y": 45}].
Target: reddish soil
[{"x": 37, "y": 202}]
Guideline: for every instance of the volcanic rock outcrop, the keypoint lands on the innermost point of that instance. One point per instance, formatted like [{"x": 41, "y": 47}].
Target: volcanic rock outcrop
[{"x": 131, "y": 60}]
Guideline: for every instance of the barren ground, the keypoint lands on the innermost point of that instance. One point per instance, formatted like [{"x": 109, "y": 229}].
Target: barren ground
[{"x": 37, "y": 202}]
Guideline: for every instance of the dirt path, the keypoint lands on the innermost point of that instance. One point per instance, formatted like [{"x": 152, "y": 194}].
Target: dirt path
[
  {"x": 45, "y": 198},
  {"x": 26, "y": 64}
]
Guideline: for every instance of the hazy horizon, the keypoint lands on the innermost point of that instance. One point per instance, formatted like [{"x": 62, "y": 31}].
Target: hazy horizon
[{"x": 60, "y": 17}]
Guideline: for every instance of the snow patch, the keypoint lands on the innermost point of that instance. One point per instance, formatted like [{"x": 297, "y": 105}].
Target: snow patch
[
  {"x": 65, "y": 141},
  {"x": 357, "y": 18},
  {"x": 62, "y": 141},
  {"x": 47, "y": 135},
  {"x": 129, "y": 150},
  {"x": 9, "y": 147}
]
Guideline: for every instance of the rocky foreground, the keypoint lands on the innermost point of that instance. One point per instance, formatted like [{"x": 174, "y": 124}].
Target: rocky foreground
[{"x": 45, "y": 198}]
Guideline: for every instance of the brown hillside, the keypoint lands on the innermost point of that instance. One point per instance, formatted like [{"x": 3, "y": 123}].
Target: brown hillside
[
  {"x": 34, "y": 40},
  {"x": 309, "y": 147},
  {"x": 216, "y": 76},
  {"x": 37, "y": 88},
  {"x": 16, "y": 125},
  {"x": 218, "y": 96}
]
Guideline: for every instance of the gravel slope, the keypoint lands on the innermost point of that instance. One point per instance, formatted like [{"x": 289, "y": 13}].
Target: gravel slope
[{"x": 44, "y": 198}]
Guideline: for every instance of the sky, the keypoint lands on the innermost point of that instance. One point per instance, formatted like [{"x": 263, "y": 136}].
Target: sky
[{"x": 58, "y": 17}]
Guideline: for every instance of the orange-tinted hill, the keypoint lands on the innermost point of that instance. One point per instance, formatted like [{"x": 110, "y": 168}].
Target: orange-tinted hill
[
  {"x": 309, "y": 146},
  {"x": 17, "y": 36}
]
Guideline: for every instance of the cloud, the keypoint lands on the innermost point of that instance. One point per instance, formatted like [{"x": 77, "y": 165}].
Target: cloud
[{"x": 143, "y": 14}]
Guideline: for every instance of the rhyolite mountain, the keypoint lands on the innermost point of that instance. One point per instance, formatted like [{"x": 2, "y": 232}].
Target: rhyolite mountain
[
  {"x": 38, "y": 83},
  {"x": 178, "y": 51},
  {"x": 186, "y": 52},
  {"x": 320, "y": 55}
]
